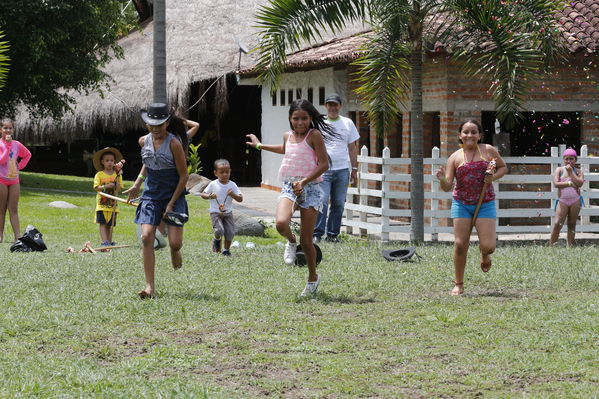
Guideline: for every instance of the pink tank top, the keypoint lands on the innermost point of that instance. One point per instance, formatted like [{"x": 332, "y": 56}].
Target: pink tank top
[
  {"x": 299, "y": 159},
  {"x": 469, "y": 182}
]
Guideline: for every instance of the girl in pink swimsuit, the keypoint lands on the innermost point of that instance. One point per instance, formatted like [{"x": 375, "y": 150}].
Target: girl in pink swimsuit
[
  {"x": 14, "y": 156},
  {"x": 567, "y": 179}
]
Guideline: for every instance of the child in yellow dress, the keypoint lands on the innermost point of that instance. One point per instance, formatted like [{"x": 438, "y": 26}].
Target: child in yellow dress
[{"x": 108, "y": 180}]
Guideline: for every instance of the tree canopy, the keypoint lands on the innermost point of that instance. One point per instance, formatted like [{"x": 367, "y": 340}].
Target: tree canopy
[{"x": 57, "y": 46}]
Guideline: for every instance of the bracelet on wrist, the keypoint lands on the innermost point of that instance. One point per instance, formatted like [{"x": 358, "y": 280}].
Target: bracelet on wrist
[
  {"x": 258, "y": 146},
  {"x": 354, "y": 168},
  {"x": 141, "y": 177}
]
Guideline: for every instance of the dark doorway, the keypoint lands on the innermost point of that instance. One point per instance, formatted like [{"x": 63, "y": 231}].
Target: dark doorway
[
  {"x": 244, "y": 117},
  {"x": 537, "y": 132}
]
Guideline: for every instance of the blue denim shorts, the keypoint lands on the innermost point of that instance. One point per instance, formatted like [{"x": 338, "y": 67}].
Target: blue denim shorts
[
  {"x": 151, "y": 211},
  {"x": 461, "y": 210},
  {"x": 311, "y": 197}
]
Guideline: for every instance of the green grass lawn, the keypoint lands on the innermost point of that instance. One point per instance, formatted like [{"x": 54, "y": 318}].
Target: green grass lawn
[{"x": 71, "y": 325}]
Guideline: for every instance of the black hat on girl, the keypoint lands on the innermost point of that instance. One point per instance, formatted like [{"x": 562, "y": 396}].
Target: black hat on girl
[{"x": 156, "y": 114}]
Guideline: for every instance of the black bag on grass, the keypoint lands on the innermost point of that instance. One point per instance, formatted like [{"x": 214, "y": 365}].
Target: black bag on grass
[{"x": 30, "y": 241}]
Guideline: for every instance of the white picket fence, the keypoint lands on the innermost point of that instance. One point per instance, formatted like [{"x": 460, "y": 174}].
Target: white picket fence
[{"x": 362, "y": 218}]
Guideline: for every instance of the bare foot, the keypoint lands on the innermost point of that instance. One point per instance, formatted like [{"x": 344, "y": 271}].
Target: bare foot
[
  {"x": 458, "y": 289},
  {"x": 176, "y": 260},
  {"x": 146, "y": 294},
  {"x": 485, "y": 265}
]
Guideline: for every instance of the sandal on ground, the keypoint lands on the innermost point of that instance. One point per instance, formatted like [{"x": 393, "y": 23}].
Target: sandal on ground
[
  {"x": 143, "y": 294},
  {"x": 486, "y": 266},
  {"x": 460, "y": 288}
]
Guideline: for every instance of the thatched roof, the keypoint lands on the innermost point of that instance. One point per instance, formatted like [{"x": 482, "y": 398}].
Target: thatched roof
[{"x": 200, "y": 45}]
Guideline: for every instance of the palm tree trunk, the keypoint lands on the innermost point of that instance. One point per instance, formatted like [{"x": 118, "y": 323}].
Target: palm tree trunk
[
  {"x": 416, "y": 144},
  {"x": 160, "y": 51}
]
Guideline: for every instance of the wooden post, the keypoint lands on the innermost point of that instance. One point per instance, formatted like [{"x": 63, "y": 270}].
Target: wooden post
[
  {"x": 585, "y": 189},
  {"x": 554, "y": 154},
  {"x": 385, "y": 188},
  {"x": 363, "y": 169},
  {"x": 434, "y": 202}
]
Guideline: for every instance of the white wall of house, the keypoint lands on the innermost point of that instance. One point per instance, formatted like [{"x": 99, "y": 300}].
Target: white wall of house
[{"x": 275, "y": 118}]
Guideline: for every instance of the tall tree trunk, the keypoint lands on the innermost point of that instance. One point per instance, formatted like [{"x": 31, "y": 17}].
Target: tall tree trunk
[
  {"x": 416, "y": 142},
  {"x": 160, "y": 51}
]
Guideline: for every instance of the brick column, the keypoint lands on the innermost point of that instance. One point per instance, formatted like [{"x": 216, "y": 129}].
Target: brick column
[{"x": 589, "y": 134}]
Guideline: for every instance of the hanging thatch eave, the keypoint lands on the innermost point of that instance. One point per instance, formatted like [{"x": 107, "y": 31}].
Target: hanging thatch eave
[{"x": 201, "y": 46}]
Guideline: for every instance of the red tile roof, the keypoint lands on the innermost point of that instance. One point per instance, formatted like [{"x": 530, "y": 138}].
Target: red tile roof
[{"x": 579, "y": 24}]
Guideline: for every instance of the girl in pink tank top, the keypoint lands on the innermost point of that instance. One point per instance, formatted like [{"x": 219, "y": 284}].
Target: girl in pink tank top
[
  {"x": 567, "y": 179},
  {"x": 304, "y": 161},
  {"x": 468, "y": 166}
]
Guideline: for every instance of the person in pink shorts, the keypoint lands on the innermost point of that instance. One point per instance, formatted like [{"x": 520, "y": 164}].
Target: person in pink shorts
[
  {"x": 567, "y": 179},
  {"x": 14, "y": 156}
]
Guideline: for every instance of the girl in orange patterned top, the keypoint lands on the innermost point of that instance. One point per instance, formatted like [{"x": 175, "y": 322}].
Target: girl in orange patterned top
[{"x": 469, "y": 166}]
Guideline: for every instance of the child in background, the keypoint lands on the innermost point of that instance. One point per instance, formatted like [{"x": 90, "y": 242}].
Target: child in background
[
  {"x": 164, "y": 171},
  {"x": 567, "y": 179},
  {"x": 469, "y": 166},
  {"x": 110, "y": 181},
  {"x": 14, "y": 156},
  {"x": 221, "y": 193},
  {"x": 305, "y": 160}
]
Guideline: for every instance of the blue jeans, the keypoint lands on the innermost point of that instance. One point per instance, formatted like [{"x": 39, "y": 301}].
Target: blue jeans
[{"x": 334, "y": 186}]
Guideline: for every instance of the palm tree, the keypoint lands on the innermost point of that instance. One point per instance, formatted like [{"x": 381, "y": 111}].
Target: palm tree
[
  {"x": 160, "y": 51},
  {"x": 506, "y": 42},
  {"x": 3, "y": 60}
]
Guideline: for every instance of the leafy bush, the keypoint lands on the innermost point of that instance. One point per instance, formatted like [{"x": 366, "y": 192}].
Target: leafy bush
[{"x": 194, "y": 159}]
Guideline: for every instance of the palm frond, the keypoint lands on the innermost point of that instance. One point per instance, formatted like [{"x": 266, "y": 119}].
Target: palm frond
[
  {"x": 509, "y": 43},
  {"x": 285, "y": 24},
  {"x": 384, "y": 73},
  {"x": 3, "y": 61}
]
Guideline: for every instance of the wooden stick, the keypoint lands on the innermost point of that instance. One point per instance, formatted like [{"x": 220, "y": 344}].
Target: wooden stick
[
  {"x": 119, "y": 199},
  {"x": 490, "y": 171},
  {"x": 110, "y": 247}
]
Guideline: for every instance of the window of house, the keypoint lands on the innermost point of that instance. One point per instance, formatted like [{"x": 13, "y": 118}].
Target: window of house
[
  {"x": 282, "y": 97},
  {"x": 298, "y": 93},
  {"x": 274, "y": 99},
  {"x": 311, "y": 95},
  {"x": 289, "y": 96},
  {"x": 321, "y": 95}
]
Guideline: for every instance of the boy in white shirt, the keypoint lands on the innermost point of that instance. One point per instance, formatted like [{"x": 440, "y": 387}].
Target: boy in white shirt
[
  {"x": 343, "y": 155},
  {"x": 221, "y": 193}
]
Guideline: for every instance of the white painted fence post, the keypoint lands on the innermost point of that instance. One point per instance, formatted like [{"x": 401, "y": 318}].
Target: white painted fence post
[
  {"x": 363, "y": 185},
  {"x": 585, "y": 189},
  {"x": 385, "y": 189},
  {"x": 554, "y": 153},
  {"x": 434, "y": 202}
]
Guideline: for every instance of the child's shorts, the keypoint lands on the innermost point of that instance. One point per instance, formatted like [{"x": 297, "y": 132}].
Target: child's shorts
[
  {"x": 8, "y": 183},
  {"x": 465, "y": 211},
  {"x": 101, "y": 218},
  {"x": 223, "y": 226},
  {"x": 311, "y": 197},
  {"x": 151, "y": 211}
]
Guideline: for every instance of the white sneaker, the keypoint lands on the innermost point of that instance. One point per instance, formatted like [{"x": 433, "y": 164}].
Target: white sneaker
[
  {"x": 311, "y": 287},
  {"x": 289, "y": 254}
]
